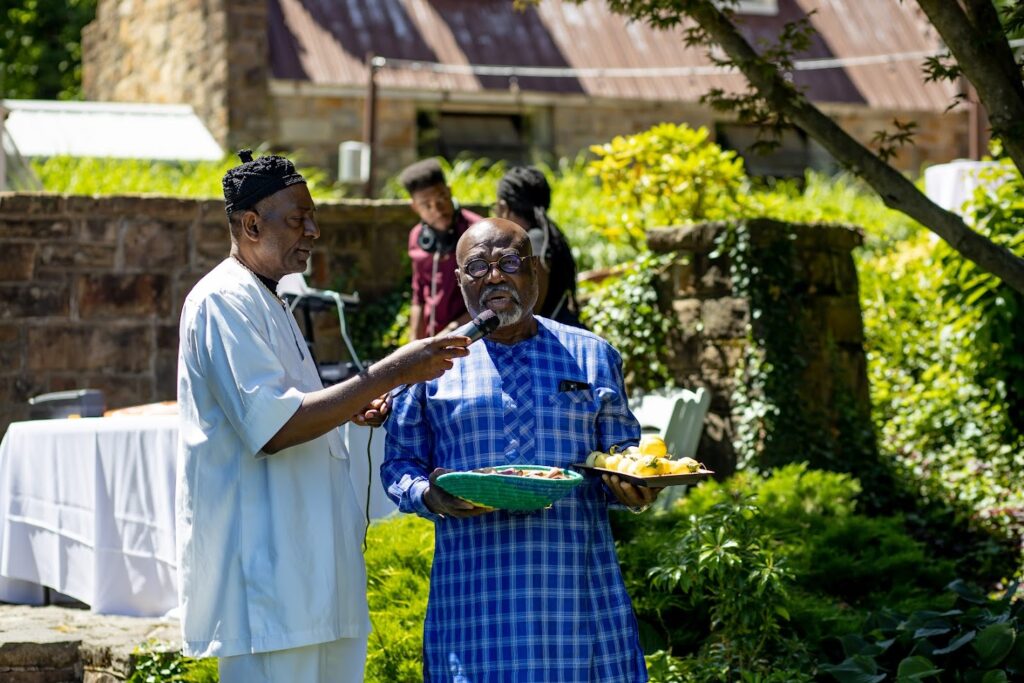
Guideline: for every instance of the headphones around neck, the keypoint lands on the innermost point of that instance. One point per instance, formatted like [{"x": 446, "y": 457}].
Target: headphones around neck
[{"x": 431, "y": 240}]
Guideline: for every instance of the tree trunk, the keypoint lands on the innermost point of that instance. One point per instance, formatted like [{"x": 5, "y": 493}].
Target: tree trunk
[{"x": 977, "y": 41}]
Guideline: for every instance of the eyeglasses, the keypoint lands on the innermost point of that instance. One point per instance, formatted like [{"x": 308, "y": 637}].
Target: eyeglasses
[{"x": 509, "y": 263}]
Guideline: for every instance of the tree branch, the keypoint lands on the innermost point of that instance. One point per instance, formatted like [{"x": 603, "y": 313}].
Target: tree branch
[
  {"x": 895, "y": 190},
  {"x": 979, "y": 44}
]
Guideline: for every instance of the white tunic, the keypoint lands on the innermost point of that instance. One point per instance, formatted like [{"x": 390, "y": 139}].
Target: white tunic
[{"x": 269, "y": 550}]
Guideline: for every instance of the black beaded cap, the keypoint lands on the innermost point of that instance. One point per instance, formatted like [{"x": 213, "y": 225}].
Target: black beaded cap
[{"x": 254, "y": 179}]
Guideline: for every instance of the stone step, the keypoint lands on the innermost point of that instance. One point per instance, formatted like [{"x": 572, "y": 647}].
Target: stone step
[{"x": 65, "y": 645}]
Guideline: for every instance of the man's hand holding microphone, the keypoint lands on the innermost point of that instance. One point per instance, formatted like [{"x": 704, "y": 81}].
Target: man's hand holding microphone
[{"x": 423, "y": 360}]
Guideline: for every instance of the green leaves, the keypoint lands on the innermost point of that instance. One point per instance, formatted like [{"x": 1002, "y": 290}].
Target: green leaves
[
  {"x": 906, "y": 647},
  {"x": 916, "y": 668},
  {"x": 725, "y": 556},
  {"x": 856, "y": 669},
  {"x": 625, "y": 311},
  {"x": 102, "y": 176},
  {"x": 159, "y": 662},
  {"x": 994, "y": 643},
  {"x": 40, "y": 48},
  {"x": 668, "y": 175}
]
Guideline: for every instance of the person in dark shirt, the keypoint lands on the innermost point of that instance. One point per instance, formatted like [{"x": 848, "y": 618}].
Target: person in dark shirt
[
  {"x": 524, "y": 197},
  {"x": 436, "y": 300}
]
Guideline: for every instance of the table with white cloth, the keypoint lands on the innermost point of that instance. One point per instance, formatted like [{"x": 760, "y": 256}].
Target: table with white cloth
[{"x": 87, "y": 509}]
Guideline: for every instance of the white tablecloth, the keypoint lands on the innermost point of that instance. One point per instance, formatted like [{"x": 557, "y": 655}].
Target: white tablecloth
[
  {"x": 951, "y": 185},
  {"x": 87, "y": 508}
]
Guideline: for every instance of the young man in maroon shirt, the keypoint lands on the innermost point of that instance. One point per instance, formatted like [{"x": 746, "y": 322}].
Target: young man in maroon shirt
[{"x": 437, "y": 302}]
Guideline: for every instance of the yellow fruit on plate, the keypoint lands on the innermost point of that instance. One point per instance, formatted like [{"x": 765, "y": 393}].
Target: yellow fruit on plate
[
  {"x": 652, "y": 444},
  {"x": 632, "y": 452},
  {"x": 600, "y": 460},
  {"x": 648, "y": 467},
  {"x": 612, "y": 461},
  {"x": 677, "y": 467},
  {"x": 592, "y": 458},
  {"x": 690, "y": 464}
]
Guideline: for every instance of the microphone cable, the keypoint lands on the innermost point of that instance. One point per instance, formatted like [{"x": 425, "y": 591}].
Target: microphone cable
[{"x": 369, "y": 485}]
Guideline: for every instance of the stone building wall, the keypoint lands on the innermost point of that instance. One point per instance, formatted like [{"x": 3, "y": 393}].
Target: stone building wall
[
  {"x": 316, "y": 123},
  {"x": 938, "y": 138},
  {"x": 575, "y": 127},
  {"x": 711, "y": 341},
  {"x": 91, "y": 288},
  {"x": 211, "y": 54},
  {"x": 214, "y": 55}
]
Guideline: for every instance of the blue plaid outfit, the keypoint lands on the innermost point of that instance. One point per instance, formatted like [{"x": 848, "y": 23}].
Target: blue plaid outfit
[{"x": 532, "y": 597}]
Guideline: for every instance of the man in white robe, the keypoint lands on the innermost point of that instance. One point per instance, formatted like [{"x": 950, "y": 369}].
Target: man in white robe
[{"x": 272, "y": 579}]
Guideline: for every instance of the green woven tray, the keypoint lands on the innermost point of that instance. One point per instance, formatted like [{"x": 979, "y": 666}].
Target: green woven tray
[{"x": 510, "y": 491}]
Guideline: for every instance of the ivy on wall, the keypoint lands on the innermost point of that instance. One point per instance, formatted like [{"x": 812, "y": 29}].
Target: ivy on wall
[
  {"x": 625, "y": 311},
  {"x": 775, "y": 421}
]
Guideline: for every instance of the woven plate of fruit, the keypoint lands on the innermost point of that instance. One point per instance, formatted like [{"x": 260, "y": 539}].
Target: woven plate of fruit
[
  {"x": 648, "y": 464},
  {"x": 513, "y": 487}
]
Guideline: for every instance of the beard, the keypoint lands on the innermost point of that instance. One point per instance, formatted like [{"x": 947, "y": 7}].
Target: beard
[{"x": 516, "y": 312}]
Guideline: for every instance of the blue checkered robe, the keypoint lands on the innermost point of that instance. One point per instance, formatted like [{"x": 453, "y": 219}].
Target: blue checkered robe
[{"x": 521, "y": 596}]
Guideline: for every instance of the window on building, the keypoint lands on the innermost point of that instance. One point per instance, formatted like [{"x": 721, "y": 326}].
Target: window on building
[
  {"x": 795, "y": 154},
  {"x": 492, "y": 136}
]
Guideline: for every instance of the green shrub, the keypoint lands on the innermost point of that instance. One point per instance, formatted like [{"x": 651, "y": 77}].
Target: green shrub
[
  {"x": 155, "y": 663},
  {"x": 625, "y": 311},
  {"x": 997, "y": 337},
  {"x": 978, "y": 640},
  {"x": 839, "y": 200},
  {"x": 754, "y": 573},
  {"x": 860, "y": 560},
  {"x": 713, "y": 666},
  {"x": 668, "y": 175},
  {"x": 941, "y": 424},
  {"x": 727, "y": 558},
  {"x": 880, "y": 564},
  {"x": 199, "y": 179}
]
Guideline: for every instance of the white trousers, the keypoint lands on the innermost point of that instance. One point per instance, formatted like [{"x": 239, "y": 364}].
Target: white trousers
[{"x": 340, "y": 661}]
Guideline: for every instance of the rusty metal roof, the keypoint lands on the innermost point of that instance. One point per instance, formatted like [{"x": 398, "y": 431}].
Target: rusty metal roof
[{"x": 325, "y": 42}]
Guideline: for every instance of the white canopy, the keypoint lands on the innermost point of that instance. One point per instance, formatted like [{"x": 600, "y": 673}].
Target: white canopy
[{"x": 44, "y": 128}]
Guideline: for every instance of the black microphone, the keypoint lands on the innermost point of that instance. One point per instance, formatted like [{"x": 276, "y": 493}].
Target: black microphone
[{"x": 479, "y": 327}]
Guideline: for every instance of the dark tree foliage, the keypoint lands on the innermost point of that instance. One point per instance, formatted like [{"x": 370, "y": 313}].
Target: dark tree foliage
[{"x": 41, "y": 48}]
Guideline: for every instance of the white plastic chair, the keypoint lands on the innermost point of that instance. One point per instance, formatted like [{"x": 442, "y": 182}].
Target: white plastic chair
[{"x": 677, "y": 415}]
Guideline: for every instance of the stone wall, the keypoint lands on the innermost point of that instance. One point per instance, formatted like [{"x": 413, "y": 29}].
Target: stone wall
[
  {"x": 58, "y": 644},
  {"x": 91, "y": 288},
  {"x": 818, "y": 301},
  {"x": 211, "y": 54}
]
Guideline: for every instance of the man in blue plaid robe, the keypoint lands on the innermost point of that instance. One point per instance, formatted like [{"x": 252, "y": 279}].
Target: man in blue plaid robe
[{"x": 519, "y": 596}]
